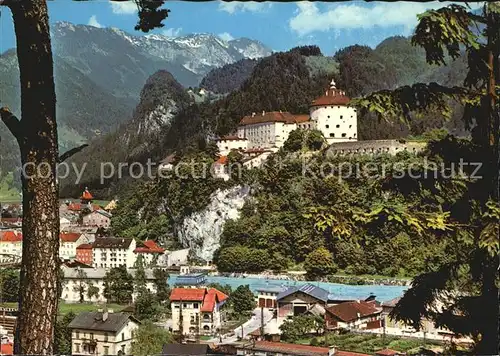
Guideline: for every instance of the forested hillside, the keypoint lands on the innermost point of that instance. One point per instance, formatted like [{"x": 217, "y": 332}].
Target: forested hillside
[{"x": 229, "y": 77}]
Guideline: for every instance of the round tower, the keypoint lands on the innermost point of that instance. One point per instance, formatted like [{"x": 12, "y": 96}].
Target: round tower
[{"x": 333, "y": 116}]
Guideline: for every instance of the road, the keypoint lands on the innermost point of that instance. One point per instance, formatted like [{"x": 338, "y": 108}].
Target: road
[{"x": 248, "y": 327}]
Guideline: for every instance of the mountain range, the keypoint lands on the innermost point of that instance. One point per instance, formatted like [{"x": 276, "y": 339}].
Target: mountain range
[{"x": 100, "y": 72}]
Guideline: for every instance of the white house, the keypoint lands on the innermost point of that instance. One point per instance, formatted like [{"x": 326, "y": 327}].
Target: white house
[
  {"x": 332, "y": 115},
  {"x": 109, "y": 252},
  {"x": 79, "y": 279},
  {"x": 200, "y": 310},
  {"x": 354, "y": 315},
  {"x": 178, "y": 257},
  {"x": 102, "y": 333},
  {"x": 227, "y": 144},
  {"x": 152, "y": 254},
  {"x": 11, "y": 246},
  {"x": 99, "y": 218}
]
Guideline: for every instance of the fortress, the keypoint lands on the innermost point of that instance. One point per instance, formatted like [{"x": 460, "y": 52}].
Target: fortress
[{"x": 259, "y": 135}]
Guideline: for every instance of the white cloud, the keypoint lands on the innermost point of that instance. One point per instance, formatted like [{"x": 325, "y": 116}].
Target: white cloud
[
  {"x": 308, "y": 18},
  {"x": 226, "y": 36},
  {"x": 172, "y": 32},
  {"x": 123, "y": 7},
  {"x": 250, "y": 6},
  {"x": 93, "y": 21}
]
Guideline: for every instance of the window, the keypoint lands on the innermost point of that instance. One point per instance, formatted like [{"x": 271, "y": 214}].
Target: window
[
  {"x": 332, "y": 135},
  {"x": 123, "y": 348},
  {"x": 344, "y": 135},
  {"x": 106, "y": 350},
  {"x": 341, "y": 117},
  {"x": 77, "y": 334},
  {"x": 337, "y": 126},
  {"x": 329, "y": 116},
  {"x": 77, "y": 348},
  {"x": 91, "y": 336},
  {"x": 105, "y": 337},
  {"x": 184, "y": 305},
  {"x": 123, "y": 336},
  {"x": 195, "y": 305},
  {"x": 327, "y": 126}
]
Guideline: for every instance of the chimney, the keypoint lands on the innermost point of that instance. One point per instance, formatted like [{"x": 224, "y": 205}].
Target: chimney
[
  {"x": 105, "y": 316},
  {"x": 331, "y": 351}
]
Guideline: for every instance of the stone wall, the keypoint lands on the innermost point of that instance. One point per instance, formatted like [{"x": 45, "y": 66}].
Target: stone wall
[{"x": 375, "y": 147}]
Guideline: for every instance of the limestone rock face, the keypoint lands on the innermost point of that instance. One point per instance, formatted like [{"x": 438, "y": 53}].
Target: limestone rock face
[{"x": 201, "y": 231}]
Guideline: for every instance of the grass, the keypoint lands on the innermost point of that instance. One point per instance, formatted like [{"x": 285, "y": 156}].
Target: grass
[
  {"x": 65, "y": 308},
  {"x": 8, "y": 193},
  {"x": 369, "y": 343}
]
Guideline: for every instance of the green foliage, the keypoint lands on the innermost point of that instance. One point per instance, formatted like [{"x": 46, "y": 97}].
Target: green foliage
[
  {"x": 149, "y": 340},
  {"x": 147, "y": 307},
  {"x": 300, "y": 139},
  {"x": 242, "y": 259},
  {"x": 319, "y": 263},
  {"x": 307, "y": 51},
  {"x": 140, "y": 275},
  {"x": 162, "y": 290},
  {"x": 10, "y": 284},
  {"x": 243, "y": 300},
  {"x": 118, "y": 285},
  {"x": 300, "y": 326},
  {"x": 229, "y": 77},
  {"x": 62, "y": 334}
]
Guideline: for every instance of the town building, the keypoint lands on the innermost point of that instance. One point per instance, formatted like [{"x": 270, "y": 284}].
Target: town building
[
  {"x": 84, "y": 254},
  {"x": 196, "y": 310},
  {"x": 99, "y": 218},
  {"x": 102, "y": 333},
  {"x": 354, "y": 315},
  {"x": 332, "y": 115},
  {"x": 178, "y": 257},
  {"x": 11, "y": 246},
  {"x": 68, "y": 243},
  {"x": 267, "y": 348},
  {"x": 109, "y": 252},
  {"x": 266, "y": 296},
  {"x": 76, "y": 279},
  {"x": 227, "y": 144},
  {"x": 152, "y": 254}
]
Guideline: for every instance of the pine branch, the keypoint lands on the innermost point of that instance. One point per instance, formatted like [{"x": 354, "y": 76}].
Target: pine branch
[
  {"x": 71, "y": 152},
  {"x": 11, "y": 121}
]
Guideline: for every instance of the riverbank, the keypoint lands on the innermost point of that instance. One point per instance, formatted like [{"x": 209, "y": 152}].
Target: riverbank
[{"x": 300, "y": 276}]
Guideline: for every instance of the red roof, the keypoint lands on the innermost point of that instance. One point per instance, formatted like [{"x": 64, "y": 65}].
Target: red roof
[
  {"x": 212, "y": 297},
  {"x": 7, "y": 349},
  {"x": 189, "y": 294},
  {"x": 149, "y": 246},
  {"x": 349, "y": 311},
  {"x": 86, "y": 195},
  {"x": 302, "y": 118},
  {"x": 296, "y": 349},
  {"x": 222, "y": 160},
  {"x": 84, "y": 247},
  {"x": 79, "y": 206},
  {"x": 11, "y": 236},
  {"x": 69, "y": 236},
  {"x": 273, "y": 116},
  {"x": 332, "y": 97},
  {"x": 388, "y": 352}
]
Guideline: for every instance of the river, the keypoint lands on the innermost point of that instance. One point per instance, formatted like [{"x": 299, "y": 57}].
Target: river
[{"x": 382, "y": 293}]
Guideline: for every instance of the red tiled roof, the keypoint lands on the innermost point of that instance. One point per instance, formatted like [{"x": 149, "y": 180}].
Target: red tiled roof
[
  {"x": 231, "y": 138},
  {"x": 84, "y": 247},
  {"x": 79, "y": 206},
  {"x": 273, "y": 116},
  {"x": 86, "y": 195},
  {"x": 293, "y": 349},
  {"x": 11, "y": 236},
  {"x": 69, "y": 236},
  {"x": 7, "y": 349},
  {"x": 222, "y": 160},
  {"x": 348, "y": 353},
  {"x": 149, "y": 246},
  {"x": 11, "y": 220},
  {"x": 212, "y": 297},
  {"x": 302, "y": 118},
  {"x": 189, "y": 294},
  {"x": 387, "y": 352},
  {"x": 332, "y": 97},
  {"x": 348, "y": 311}
]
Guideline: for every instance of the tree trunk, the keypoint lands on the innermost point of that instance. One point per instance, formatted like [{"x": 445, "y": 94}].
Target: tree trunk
[{"x": 36, "y": 134}]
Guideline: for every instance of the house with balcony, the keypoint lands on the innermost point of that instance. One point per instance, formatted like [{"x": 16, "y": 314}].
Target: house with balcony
[
  {"x": 110, "y": 252},
  {"x": 152, "y": 254},
  {"x": 102, "y": 333},
  {"x": 196, "y": 310}
]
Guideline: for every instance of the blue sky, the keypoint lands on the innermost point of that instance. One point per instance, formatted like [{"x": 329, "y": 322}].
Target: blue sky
[{"x": 280, "y": 26}]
